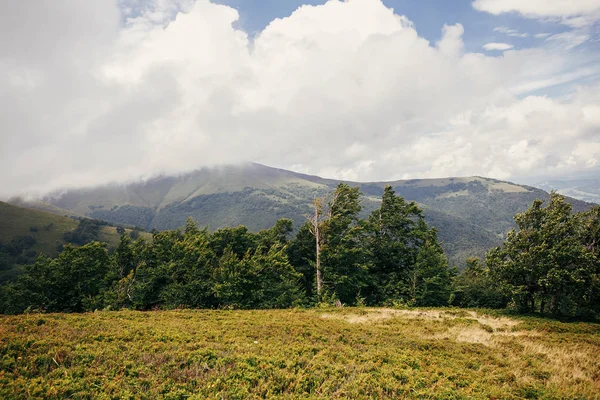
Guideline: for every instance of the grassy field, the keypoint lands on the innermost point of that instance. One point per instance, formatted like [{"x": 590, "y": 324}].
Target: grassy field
[{"x": 320, "y": 353}]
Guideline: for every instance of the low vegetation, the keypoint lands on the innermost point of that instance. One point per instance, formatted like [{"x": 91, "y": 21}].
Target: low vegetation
[{"x": 316, "y": 353}]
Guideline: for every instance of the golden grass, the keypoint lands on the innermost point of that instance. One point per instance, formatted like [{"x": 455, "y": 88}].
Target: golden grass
[{"x": 377, "y": 314}]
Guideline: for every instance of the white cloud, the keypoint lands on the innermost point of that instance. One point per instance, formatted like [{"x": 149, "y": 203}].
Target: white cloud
[
  {"x": 497, "y": 46},
  {"x": 510, "y": 32},
  {"x": 569, "y": 40},
  {"x": 539, "y": 8},
  {"x": 346, "y": 89},
  {"x": 580, "y": 15},
  {"x": 533, "y": 85},
  {"x": 534, "y": 134}
]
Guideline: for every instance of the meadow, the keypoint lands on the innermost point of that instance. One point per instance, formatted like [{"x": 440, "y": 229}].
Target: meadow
[{"x": 297, "y": 353}]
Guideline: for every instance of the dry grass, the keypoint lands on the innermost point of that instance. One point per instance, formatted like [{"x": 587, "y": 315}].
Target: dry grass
[
  {"x": 572, "y": 364},
  {"x": 370, "y": 315}
]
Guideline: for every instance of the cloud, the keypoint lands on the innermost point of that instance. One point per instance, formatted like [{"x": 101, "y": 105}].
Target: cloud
[
  {"x": 539, "y": 8},
  {"x": 569, "y": 40},
  {"x": 94, "y": 92},
  {"x": 580, "y": 15},
  {"x": 497, "y": 46},
  {"x": 534, "y": 134},
  {"x": 510, "y": 32}
]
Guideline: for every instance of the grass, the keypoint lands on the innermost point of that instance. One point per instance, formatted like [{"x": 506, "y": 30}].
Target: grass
[
  {"x": 331, "y": 353},
  {"x": 48, "y": 229}
]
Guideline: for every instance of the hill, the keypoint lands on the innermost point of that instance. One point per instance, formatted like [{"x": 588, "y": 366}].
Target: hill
[
  {"x": 26, "y": 233},
  {"x": 471, "y": 213},
  {"x": 319, "y": 353}
]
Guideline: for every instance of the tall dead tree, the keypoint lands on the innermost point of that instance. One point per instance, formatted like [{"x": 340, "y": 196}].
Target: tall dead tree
[{"x": 323, "y": 212}]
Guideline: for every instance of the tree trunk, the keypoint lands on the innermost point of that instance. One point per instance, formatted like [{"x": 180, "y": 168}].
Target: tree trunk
[
  {"x": 414, "y": 286},
  {"x": 529, "y": 302},
  {"x": 318, "y": 262}
]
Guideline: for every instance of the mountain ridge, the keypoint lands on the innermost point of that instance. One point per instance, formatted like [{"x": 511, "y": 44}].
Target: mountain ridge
[{"x": 471, "y": 213}]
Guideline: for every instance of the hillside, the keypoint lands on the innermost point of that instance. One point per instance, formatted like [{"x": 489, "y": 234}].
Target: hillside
[
  {"x": 26, "y": 233},
  {"x": 471, "y": 213}
]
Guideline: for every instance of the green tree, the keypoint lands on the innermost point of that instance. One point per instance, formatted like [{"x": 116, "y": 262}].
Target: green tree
[
  {"x": 335, "y": 229},
  {"x": 590, "y": 237},
  {"x": 72, "y": 282},
  {"x": 188, "y": 274},
  {"x": 301, "y": 253},
  {"x": 345, "y": 262},
  {"x": 476, "y": 287},
  {"x": 394, "y": 245},
  {"x": 278, "y": 234},
  {"x": 259, "y": 279},
  {"x": 431, "y": 281},
  {"x": 545, "y": 262}
]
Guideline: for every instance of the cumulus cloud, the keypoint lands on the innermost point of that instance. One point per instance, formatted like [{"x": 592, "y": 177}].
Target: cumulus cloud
[
  {"x": 497, "y": 46},
  {"x": 94, "y": 92}
]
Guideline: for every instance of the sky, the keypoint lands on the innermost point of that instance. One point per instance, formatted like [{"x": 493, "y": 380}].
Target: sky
[{"x": 119, "y": 90}]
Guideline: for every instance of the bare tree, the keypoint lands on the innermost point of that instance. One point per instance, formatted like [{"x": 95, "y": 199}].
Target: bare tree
[{"x": 323, "y": 212}]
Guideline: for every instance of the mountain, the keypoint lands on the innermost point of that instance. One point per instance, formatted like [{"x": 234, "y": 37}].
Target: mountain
[
  {"x": 582, "y": 189},
  {"x": 26, "y": 233},
  {"x": 471, "y": 213}
]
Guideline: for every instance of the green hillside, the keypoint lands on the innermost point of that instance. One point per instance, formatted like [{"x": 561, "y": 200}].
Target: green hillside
[
  {"x": 46, "y": 228},
  {"x": 26, "y": 233},
  {"x": 471, "y": 213}
]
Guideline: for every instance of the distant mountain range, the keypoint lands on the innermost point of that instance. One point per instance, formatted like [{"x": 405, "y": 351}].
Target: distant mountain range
[
  {"x": 472, "y": 214},
  {"x": 582, "y": 189}
]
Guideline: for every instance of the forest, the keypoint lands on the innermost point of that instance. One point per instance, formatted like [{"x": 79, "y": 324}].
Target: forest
[{"x": 549, "y": 264}]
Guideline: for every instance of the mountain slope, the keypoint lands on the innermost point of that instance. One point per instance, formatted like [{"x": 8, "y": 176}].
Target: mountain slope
[
  {"x": 471, "y": 213},
  {"x": 26, "y": 233}
]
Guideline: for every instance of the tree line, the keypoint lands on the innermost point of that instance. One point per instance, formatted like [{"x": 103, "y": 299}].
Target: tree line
[
  {"x": 391, "y": 257},
  {"x": 550, "y": 263}
]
